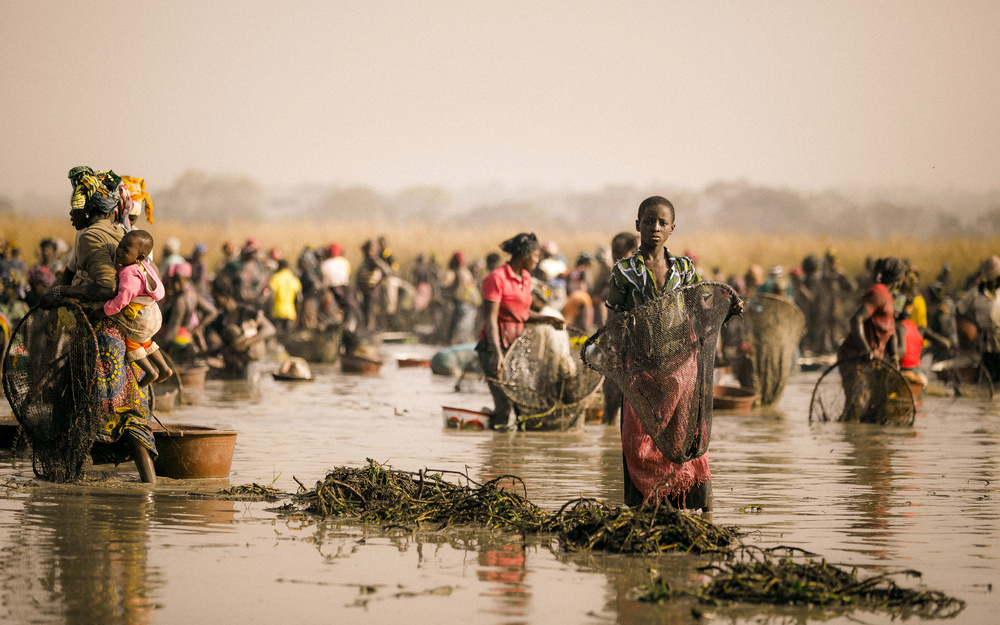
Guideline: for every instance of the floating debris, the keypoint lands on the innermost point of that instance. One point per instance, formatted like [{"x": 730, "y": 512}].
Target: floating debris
[
  {"x": 585, "y": 524},
  {"x": 378, "y": 494},
  {"x": 754, "y": 575},
  {"x": 425, "y": 500},
  {"x": 252, "y": 492}
]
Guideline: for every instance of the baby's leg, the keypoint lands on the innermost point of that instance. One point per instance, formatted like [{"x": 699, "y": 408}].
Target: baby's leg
[
  {"x": 148, "y": 368},
  {"x": 161, "y": 365}
]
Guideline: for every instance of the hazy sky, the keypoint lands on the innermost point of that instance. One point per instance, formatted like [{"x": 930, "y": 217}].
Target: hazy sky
[{"x": 546, "y": 93}]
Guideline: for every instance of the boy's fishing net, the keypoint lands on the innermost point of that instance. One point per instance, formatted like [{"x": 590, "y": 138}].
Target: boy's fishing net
[
  {"x": 662, "y": 356},
  {"x": 775, "y": 325},
  {"x": 545, "y": 378},
  {"x": 48, "y": 377},
  {"x": 865, "y": 391},
  {"x": 962, "y": 375}
]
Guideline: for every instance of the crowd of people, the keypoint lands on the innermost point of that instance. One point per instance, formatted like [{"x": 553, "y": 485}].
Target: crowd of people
[
  {"x": 226, "y": 314},
  {"x": 948, "y": 315},
  {"x": 319, "y": 288}
]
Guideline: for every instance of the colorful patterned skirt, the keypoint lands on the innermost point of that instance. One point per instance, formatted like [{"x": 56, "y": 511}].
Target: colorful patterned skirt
[{"x": 123, "y": 404}]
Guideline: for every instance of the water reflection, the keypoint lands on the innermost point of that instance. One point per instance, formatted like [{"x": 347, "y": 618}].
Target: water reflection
[
  {"x": 924, "y": 497},
  {"x": 503, "y": 565},
  {"x": 81, "y": 557},
  {"x": 870, "y": 461},
  {"x": 557, "y": 466},
  {"x": 81, "y": 554}
]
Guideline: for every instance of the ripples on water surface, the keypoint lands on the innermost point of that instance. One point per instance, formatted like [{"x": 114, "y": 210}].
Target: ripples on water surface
[{"x": 885, "y": 499}]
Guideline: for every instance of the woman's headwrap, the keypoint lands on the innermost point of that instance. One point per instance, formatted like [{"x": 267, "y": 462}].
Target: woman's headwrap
[
  {"x": 889, "y": 270},
  {"x": 100, "y": 192}
]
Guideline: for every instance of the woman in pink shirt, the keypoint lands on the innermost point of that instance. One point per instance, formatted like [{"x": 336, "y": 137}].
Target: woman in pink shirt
[
  {"x": 506, "y": 308},
  {"x": 134, "y": 307}
]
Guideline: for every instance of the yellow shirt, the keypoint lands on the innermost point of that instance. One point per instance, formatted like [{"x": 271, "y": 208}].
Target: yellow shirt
[
  {"x": 919, "y": 314},
  {"x": 286, "y": 288}
]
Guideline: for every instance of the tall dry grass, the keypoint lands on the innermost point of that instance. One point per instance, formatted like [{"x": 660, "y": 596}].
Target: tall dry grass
[{"x": 731, "y": 252}]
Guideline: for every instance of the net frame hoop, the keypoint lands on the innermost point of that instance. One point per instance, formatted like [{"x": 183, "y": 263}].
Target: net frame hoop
[
  {"x": 541, "y": 411},
  {"x": 79, "y": 316},
  {"x": 884, "y": 364}
]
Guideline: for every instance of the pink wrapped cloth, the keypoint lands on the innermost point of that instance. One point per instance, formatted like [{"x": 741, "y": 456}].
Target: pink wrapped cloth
[{"x": 648, "y": 468}]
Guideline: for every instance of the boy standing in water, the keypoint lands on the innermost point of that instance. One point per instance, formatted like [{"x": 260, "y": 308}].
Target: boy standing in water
[
  {"x": 648, "y": 274},
  {"x": 134, "y": 307}
]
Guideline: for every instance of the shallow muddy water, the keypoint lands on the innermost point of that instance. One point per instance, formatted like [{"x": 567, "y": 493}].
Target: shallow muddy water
[{"x": 883, "y": 499}]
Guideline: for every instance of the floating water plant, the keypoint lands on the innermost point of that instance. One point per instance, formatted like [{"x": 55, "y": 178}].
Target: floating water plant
[
  {"x": 252, "y": 492},
  {"x": 421, "y": 500},
  {"x": 754, "y": 575},
  {"x": 425, "y": 500},
  {"x": 585, "y": 524}
]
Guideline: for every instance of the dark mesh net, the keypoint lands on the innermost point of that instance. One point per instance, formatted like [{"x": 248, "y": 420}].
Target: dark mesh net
[
  {"x": 662, "y": 356},
  {"x": 546, "y": 380},
  {"x": 963, "y": 375},
  {"x": 775, "y": 325},
  {"x": 866, "y": 391},
  {"x": 48, "y": 378}
]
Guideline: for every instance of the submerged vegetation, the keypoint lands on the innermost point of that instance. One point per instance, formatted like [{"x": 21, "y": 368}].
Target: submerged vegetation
[
  {"x": 754, "y": 575},
  {"x": 252, "y": 492},
  {"x": 426, "y": 501}
]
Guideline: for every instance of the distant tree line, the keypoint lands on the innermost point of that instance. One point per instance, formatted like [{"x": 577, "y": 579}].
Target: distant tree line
[{"x": 731, "y": 206}]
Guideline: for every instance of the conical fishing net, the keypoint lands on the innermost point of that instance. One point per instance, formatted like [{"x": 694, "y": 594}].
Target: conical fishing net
[
  {"x": 545, "y": 378},
  {"x": 48, "y": 377},
  {"x": 775, "y": 325},
  {"x": 866, "y": 391},
  {"x": 963, "y": 375},
  {"x": 662, "y": 356}
]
